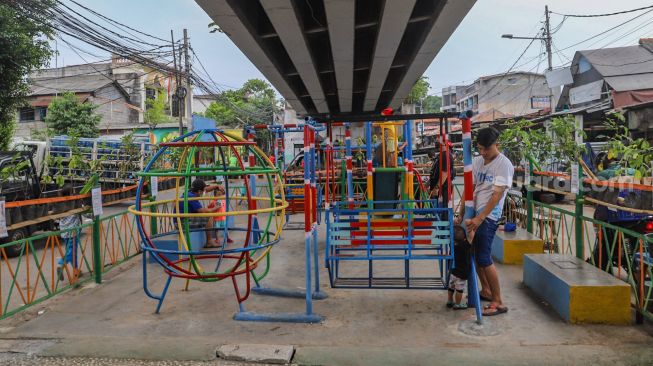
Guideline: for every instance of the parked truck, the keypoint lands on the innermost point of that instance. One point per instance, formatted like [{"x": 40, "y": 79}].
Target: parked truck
[{"x": 30, "y": 186}]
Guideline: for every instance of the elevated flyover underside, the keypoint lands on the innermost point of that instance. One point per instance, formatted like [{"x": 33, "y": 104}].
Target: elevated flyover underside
[{"x": 331, "y": 57}]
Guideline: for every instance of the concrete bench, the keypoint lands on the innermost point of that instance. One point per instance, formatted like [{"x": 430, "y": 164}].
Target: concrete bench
[
  {"x": 578, "y": 291},
  {"x": 510, "y": 247}
]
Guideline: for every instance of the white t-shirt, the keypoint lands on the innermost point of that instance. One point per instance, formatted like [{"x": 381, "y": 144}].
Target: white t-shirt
[{"x": 498, "y": 172}]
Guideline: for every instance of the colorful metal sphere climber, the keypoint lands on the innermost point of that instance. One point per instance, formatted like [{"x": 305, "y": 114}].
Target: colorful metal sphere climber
[{"x": 258, "y": 219}]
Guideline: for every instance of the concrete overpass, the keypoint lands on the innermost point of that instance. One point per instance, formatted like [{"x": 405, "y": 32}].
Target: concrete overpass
[{"x": 331, "y": 57}]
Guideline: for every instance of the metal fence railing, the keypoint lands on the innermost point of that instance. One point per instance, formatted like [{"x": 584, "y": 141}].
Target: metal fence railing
[
  {"x": 621, "y": 252},
  {"x": 39, "y": 272}
]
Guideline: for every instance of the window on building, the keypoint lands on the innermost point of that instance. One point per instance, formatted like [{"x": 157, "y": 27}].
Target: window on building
[
  {"x": 42, "y": 113},
  {"x": 150, "y": 93},
  {"x": 26, "y": 114},
  {"x": 583, "y": 65}
]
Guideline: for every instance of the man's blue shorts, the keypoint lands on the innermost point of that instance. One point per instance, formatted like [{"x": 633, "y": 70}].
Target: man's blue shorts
[{"x": 483, "y": 242}]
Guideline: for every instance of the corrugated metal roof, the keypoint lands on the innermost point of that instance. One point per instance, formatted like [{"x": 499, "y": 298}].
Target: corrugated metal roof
[
  {"x": 75, "y": 84},
  {"x": 617, "y": 61},
  {"x": 630, "y": 82}
]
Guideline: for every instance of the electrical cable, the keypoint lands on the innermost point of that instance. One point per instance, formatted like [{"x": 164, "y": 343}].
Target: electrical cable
[
  {"x": 601, "y": 15},
  {"x": 605, "y": 31}
]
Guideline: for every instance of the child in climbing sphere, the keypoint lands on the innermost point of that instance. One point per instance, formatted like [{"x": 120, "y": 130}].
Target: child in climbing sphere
[{"x": 460, "y": 272}]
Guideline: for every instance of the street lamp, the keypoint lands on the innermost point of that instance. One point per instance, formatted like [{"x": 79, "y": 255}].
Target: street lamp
[{"x": 546, "y": 38}]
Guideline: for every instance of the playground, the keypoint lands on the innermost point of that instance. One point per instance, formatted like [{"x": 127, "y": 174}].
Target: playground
[
  {"x": 115, "y": 320},
  {"x": 353, "y": 276}
]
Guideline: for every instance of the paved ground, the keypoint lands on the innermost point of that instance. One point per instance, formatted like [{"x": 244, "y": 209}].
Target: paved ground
[{"x": 362, "y": 327}]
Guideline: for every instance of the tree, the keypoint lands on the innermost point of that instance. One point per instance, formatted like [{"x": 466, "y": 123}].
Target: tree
[
  {"x": 419, "y": 91},
  {"x": 253, "y": 103},
  {"x": 24, "y": 48},
  {"x": 155, "y": 112},
  {"x": 67, "y": 115},
  {"x": 431, "y": 104}
]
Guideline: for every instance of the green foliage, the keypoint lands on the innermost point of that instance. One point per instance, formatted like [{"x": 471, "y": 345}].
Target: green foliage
[
  {"x": 419, "y": 90},
  {"x": 563, "y": 130},
  {"x": 11, "y": 172},
  {"x": 6, "y": 133},
  {"x": 128, "y": 163},
  {"x": 522, "y": 140},
  {"x": 24, "y": 48},
  {"x": 53, "y": 163},
  {"x": 431, "y": 104},
  {"x": 66, "y": 116},
  {"x": 631, "y": 153},
  {"x": 254, "y": 103},
  {"x": 155, "y": 111}
]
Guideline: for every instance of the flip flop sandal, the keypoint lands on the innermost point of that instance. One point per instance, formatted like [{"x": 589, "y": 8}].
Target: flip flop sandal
[
  {"x": 494, "y": 310},
  {"x": 461, "y": 306},
  {"x": 450, "y": 304}
]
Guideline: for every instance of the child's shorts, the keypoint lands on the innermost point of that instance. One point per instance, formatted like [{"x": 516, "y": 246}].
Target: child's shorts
[{"x": 456, "y": 283}]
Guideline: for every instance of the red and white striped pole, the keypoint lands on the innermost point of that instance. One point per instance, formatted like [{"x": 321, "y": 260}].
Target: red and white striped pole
[{"x": 474, "y": 298}]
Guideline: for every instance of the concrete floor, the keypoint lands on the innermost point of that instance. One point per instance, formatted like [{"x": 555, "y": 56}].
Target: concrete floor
[{"x": 361, "y": 327}]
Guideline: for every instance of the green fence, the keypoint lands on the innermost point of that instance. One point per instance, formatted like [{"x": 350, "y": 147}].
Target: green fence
[{"x": 36, "y": 275}]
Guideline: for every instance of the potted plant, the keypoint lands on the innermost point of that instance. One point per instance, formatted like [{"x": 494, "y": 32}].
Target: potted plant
[
  {"x": 13, "y": 174},
  {"x": 631, "y": 162}
]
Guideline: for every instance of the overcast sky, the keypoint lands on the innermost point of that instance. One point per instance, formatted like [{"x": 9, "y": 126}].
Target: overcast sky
[{"x": 475, "y": 49}]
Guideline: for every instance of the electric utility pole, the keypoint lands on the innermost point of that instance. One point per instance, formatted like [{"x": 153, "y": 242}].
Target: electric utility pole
[
  {"x": 189, "y": 89},
  {"x": 546, "y": 38},
  {"x": 177, "y": 85},
  {"x": 549, "y": 55}
]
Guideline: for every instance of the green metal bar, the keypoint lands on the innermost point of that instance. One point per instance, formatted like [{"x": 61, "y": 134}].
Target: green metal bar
[
  {"x": 395, "y": 170},
  {"x": 529, "y": 199},
  {"x": 36, "y": 261},
  {"x": 97, "y": 260},
  {"x": 153, "y": 223},
  {"x": 580, "y": 248},
  {"x": 192, "y": 173},
  {"x": 13, "y": 282}
]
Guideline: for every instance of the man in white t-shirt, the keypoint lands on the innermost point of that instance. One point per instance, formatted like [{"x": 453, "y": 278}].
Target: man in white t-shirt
[{"x": 492, "y": 173}]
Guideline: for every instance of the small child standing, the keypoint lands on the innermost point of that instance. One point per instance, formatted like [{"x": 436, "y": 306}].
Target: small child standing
[
  {"x": 460, "y": 272},
  {"x": 69, "y": 227}
]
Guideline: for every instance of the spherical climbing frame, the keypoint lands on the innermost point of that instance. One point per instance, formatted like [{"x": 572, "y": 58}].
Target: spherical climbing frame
[{"x": 238, "y": 262}]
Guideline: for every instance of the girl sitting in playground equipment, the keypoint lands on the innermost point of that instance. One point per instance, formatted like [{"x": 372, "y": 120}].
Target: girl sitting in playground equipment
[
  {"x": 197, "y": 189},
  {"x": 219, "y": 223}
]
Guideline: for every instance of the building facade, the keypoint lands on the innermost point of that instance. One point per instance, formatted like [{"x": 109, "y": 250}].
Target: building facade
[
  {"x": 120, "y": 90},
  {"x": 499, "y": 96}
]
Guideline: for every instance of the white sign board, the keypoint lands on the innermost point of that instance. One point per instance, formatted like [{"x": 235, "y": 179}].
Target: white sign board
[
  {"x": 559, "y": 77},
  {"x": 96, "y": 198},
  {"x": 575, "y": 179},
  {"x": 154, "y": 188},
  {"x": 586, "y": 93},
  {"x": 3, "y": 220},
  {"x": 527, "y": 172},
  {"x": 540, "y": 102}
]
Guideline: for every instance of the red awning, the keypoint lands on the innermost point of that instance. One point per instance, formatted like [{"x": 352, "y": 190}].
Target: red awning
[{"x": 630, "y": 97}]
